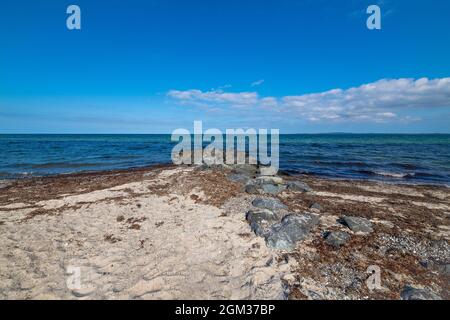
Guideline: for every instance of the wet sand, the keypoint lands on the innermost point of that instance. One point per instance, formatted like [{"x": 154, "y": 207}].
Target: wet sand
[{"x": 179, "y": 232}]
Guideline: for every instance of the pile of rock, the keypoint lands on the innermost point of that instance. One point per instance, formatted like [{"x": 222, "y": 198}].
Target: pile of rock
[
  {"x": 264, "y": 180},
  {"x": 270, "y": 219},
  {"x": 280, "y": 231}
]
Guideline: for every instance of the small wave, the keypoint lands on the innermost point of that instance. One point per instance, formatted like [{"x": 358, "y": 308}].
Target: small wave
[
  {"x": 398, "y": 175},
  {"x": 395, "y": 174}
]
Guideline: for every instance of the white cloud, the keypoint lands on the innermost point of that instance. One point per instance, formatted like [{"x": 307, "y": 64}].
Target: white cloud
[
  {"x": 214, "y": 97},
  {"x": 379, "y": 101},
  {"x": 257, "y": 83}
]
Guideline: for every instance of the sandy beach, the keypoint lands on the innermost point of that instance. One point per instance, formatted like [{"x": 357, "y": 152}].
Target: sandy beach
[{"x": 228, "y": 232}]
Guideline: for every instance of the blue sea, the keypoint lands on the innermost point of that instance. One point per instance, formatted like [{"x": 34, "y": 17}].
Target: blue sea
[{"x": 417, "y": 159}]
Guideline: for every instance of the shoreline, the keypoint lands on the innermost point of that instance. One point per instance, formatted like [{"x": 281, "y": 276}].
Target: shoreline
[
  {"x": 169, "y": 231},
  {"x": 9, "y": 181}
]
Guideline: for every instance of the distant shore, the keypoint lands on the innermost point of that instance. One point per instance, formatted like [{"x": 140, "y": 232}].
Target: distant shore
[{"x": 226, "y": 232}]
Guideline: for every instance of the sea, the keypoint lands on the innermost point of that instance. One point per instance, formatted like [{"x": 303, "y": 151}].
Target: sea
[{"x": 397, "y": 158}]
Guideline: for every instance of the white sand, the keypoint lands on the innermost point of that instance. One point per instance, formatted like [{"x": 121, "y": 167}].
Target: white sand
[{"x": 183, "y": 249}]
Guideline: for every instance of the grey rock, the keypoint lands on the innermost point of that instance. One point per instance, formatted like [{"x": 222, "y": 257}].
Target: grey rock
[
  {"x": 337, "y": 238},
  {"x": 252, "y": 189},
  {"x": 358, "y": 224},
  {"x": 268, "y": 171},
  {"x": 290, "y": 230},
  {"x": 272, "y": 188},
  {"x": 248, "y": 169},
  {"x": 298, "y": 186},
  {"x": 305, "y": 220},
  {"x": 411, "y": 293},
  {"x": 238, "y": 177},
  {"x": 261, "y": 220},
  {"x": 269, "y": 180},
  {"x": 316, "y": 206},
  {"x": 256, "y": 187},
  {"x": 270, "y": 204}
]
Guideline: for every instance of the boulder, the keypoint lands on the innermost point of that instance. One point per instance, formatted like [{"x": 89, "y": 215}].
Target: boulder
[
  {"x": 298, "y": 186},
  {"x": 248, "y": 169},
  {"x": 411, "y": 293},
  {"x": 290, "y": 230},
  {"x": 316, "y": 206},
  {"x": 336, "y": 238},
  {"x": 358, "y": 224},
  {"x": 269, "y": 179},
  {"x": 261, "y": 220},
  {"x": 270, "y": 204},
  {"x": 273, "y": 189},
  {"x": 238, "y": 177},
  {"x": 252, "y": 189},
  {"x": 268, "y": 171}
]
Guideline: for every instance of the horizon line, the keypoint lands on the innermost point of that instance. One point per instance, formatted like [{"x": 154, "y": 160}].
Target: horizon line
[{"x": 305, "y": 133}]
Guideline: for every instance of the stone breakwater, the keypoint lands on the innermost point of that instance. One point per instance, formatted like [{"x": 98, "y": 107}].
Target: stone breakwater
[{"x": 224, "y": 232}]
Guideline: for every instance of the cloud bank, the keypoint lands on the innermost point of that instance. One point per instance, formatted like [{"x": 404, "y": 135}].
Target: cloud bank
[{"x": 380, "y": 101}]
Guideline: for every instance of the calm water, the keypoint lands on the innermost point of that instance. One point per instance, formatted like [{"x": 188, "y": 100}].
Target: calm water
[{"x": 396, "y": 158}]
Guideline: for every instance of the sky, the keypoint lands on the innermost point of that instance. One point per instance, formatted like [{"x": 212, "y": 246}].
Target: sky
[{"x": 308, "y": 66}]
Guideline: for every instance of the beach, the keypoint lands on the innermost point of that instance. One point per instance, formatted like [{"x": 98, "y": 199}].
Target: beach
[{"x": 221, "y": 232}]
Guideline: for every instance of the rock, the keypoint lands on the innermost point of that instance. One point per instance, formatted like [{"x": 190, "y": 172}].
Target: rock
[
  {"x": 298, "y": 186},
  {"x": 272, "y": 188},
  {"x": 268, "y": 171},
  {"x": 248, "y": 169},
  {"x": 445, "y": 269},
  {"x": 260, "y": 220},
  {"x": 358, "y": 224},
  {"x": 316, "y": 206},
  {"x": 269, "y": 180},
  {"x": 238, "y": 177},
  {"x": 290, "y": 230},
  {"x": 252, "y": 189},
  {"x": 337, "y": 238},
  {"x": 271, "y": 204},
  {"x": 411, "y": 293}
]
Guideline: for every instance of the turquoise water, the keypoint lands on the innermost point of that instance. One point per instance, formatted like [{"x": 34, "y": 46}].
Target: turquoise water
[{"x": 386, "y": 157}]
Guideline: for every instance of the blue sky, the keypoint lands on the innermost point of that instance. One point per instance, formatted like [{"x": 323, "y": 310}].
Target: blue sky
[{"x": 154, "y": 66}]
